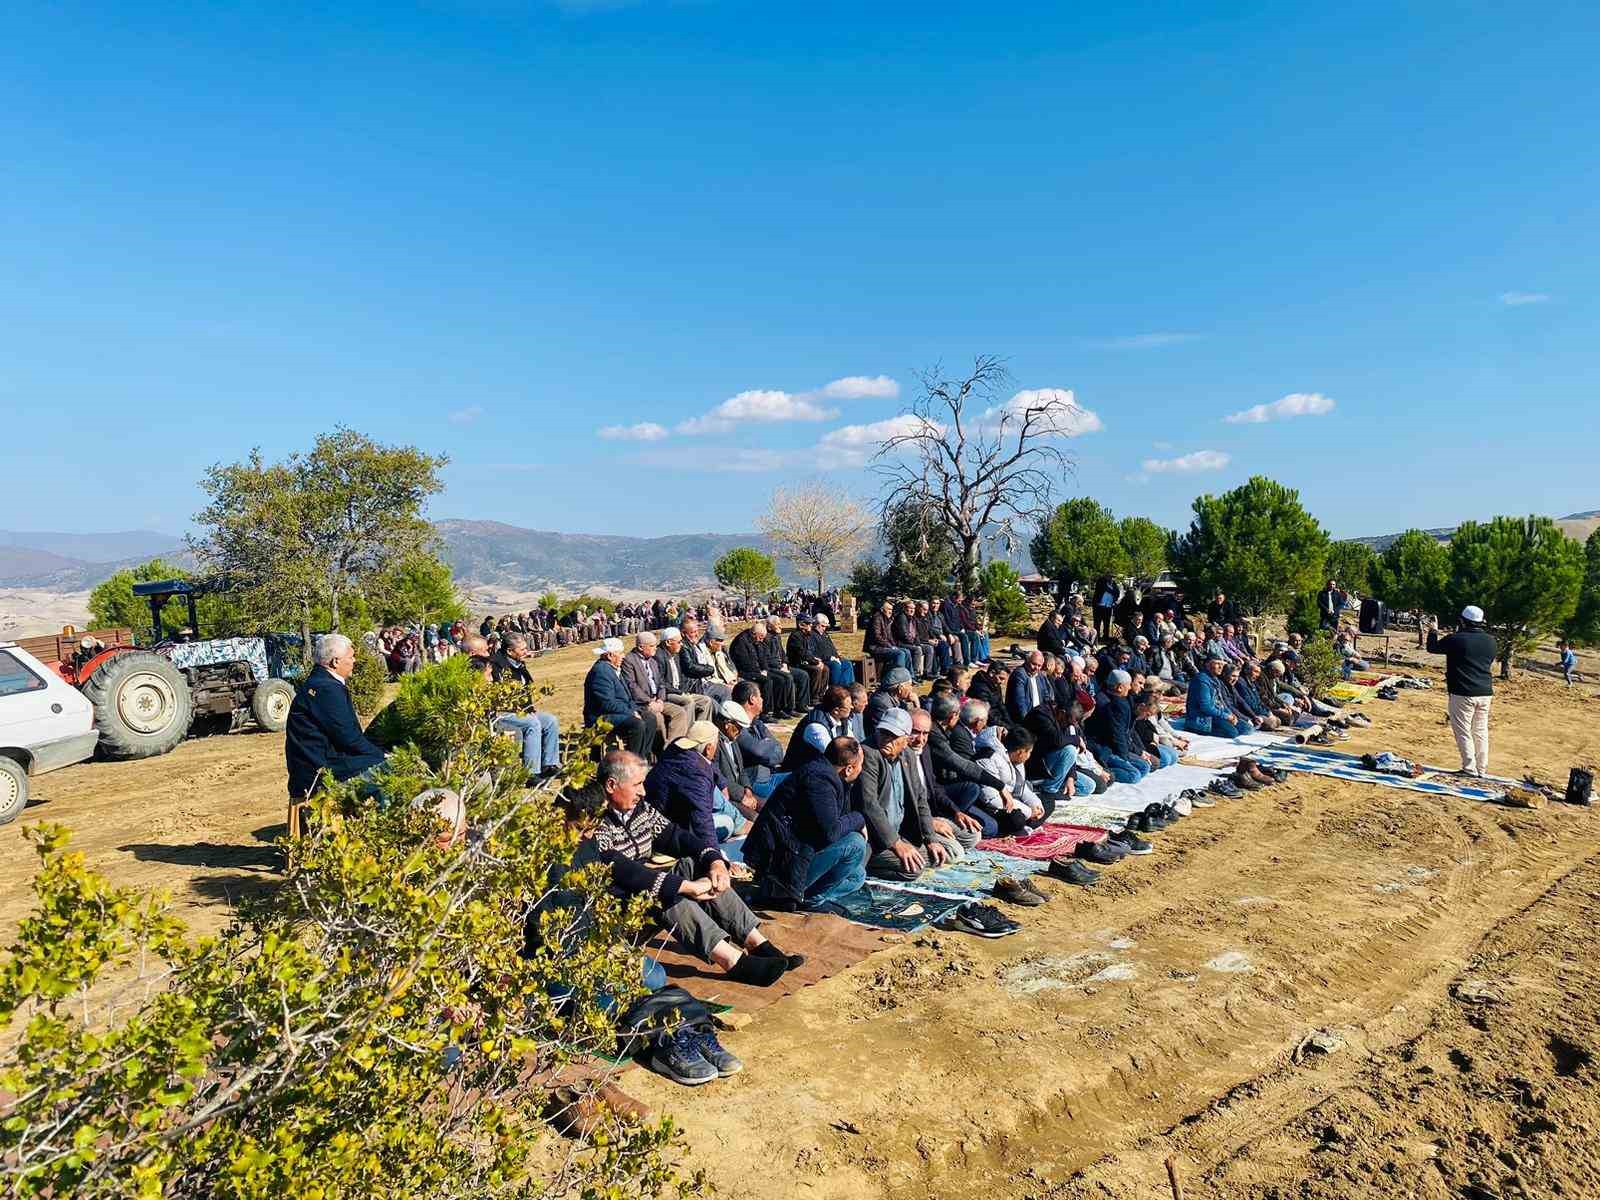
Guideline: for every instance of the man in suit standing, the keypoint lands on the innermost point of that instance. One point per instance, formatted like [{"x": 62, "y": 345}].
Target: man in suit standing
[
  {"x": 606, "y": 697},
  {"x": 323, "y": 731}
]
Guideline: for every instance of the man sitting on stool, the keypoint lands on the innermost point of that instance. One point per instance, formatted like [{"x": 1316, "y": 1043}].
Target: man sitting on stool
[{"x": 323, "y": 731}]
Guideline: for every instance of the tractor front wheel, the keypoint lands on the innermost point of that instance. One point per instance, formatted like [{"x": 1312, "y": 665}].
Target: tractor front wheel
[
  {"x": 142, "y": 705},
  {"x": 270, "y": 703}
]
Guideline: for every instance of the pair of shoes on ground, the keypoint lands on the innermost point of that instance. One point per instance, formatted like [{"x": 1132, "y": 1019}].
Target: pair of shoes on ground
[
  {"x": 691, "y": 1055},
  {"x": 1070, "y": 870},
  {"x": 1153, "y": 819},
  {"x": 980, "y": 920},
  {"x": 1022, "y": 892}
]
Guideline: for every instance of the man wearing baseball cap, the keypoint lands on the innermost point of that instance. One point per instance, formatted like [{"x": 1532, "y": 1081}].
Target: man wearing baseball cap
[{"x": 1469, "y": 655}]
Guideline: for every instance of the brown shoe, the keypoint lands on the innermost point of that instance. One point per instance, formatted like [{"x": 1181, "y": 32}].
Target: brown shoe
[
  {"x": 1242, "y": 778},
  {"x": 582, "y": 1113}
]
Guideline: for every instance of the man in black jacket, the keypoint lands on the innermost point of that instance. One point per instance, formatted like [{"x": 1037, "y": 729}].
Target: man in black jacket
[
  {"x": 808, "y": 844},
  {"x": 802, "y": 655},
  {"x": 694, "y": 660},
  {"x": 907, "y": 639},
  {"x": 951, "y": 823},
  {"x": 539, "y": 732},
  {"x": 956, "y": 771},
  {"x": 323, "y": 731},
  {"x": 748, "y": 654},
  {"x": 1469, "y": 657},
  {"x": 772, "y": 654}
]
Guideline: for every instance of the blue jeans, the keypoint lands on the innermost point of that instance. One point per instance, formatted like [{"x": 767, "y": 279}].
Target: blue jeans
[
  {"x": 1222, "y": 727},
  {"x": 541, "y": 737},
  {"x": 943, "y": 656},
  {"x": 1167, "y": 754},
  {"x": 724, "y": 816},
  {"x": 965, "y": 797},
  {"x": 1123, "y": 770},
  {"x": 969, "y": 646},
  {"x": 1057, "y": 764},
  {"x": 765, "y": 787},
  {"x": 841, "y": 673},
  {"x": 1082, "y": 785},
  {"x": 837, "y": 871},
  {"x": 894, "y": 656}
]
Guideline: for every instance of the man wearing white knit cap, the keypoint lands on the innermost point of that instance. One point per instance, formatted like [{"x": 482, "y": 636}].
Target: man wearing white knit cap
[{"x": 1469, "y": 656}]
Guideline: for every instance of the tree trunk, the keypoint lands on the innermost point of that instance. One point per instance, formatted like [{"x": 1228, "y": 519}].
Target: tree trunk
[
  {"x": 969, "y": 564},
  {"x": 305, "y": 634},
  {"x": 1505, "y": 663}
]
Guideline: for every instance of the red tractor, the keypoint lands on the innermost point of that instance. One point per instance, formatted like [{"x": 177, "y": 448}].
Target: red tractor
[{"x": 146, "y": 700}]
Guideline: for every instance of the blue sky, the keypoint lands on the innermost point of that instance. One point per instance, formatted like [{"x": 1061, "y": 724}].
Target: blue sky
[{"x": 496, "y": 228}]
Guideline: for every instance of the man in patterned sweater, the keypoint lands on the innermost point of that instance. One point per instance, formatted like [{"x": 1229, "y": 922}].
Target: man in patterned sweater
[{"x": 696, "y": 896}]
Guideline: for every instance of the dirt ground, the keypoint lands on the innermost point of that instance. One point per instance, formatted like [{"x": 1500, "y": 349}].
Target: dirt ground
[{"x": 1450, "y": 947}]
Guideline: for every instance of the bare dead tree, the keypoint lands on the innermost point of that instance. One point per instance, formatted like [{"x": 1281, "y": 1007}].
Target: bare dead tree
[
  {"x": 984, "y": 462},
  {"x": 816, "y": 526}
]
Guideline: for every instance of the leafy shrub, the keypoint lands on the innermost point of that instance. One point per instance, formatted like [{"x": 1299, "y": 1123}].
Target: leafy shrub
[
  {"x": 1319, "y": 664},
  {"x": 1304, "y": 618},
  {"x": 1003, "y": 598},
  {"x": 369, "y": 1030},
  {"x": 367, "y": 681}
]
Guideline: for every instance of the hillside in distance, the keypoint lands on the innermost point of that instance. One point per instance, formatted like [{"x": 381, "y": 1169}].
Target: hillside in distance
[
  {"x": 491, "y": 552},
  {"x": 1577, "y": 526},
  {"x": 72, "y": 561}
]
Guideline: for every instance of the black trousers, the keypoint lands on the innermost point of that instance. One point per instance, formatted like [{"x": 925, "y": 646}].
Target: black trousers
[
  {"x": 637, "y": 734},
  {"x": 1102, "y": 621}
]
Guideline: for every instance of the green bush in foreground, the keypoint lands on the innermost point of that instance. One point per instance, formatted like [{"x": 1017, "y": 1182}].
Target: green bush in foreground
[{"x": 305, "y": 1052}]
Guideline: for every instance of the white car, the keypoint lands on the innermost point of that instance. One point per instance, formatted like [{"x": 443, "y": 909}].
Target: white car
[{"x": 45, "y": 723}]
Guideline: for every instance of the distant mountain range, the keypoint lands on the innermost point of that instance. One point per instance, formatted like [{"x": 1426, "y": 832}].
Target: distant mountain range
[
  {"x": 70, "y": 562},
  {"x": 489, "y": 553},
  {"x": 1577, "y": 526}
]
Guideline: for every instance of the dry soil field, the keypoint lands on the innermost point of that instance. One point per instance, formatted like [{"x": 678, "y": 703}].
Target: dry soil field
[{"x": 1450, "y": 946}]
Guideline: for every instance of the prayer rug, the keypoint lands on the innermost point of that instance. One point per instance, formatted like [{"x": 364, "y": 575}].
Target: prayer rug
[
  {"x": 1434, "y": 783},
  {"x": 1049, "y": 841},
  {"x": 884, "y": 906},
  {"x": 829, "y": 943},
  {"x": 973, "y": 876}
]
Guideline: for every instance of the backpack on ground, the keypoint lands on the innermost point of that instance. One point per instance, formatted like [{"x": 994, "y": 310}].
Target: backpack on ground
[{"x": 1580, "y": 786}]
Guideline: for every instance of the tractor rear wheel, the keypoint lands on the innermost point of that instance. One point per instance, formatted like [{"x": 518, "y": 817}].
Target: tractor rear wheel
[
  {"x": 13, "y": 789},
  {"x": 270, "y": 703},
  {"x": 142, "y": 705}
]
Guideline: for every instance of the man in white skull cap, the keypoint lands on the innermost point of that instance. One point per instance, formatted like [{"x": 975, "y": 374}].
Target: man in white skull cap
[{"x": 1469, "y": 656}]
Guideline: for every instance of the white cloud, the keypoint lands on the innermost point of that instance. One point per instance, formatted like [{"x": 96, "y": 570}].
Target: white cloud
[
  {"x": 1056, "y": 413},
  {"x": 644, "y": 431},
  {"x": 1516, "y": 299},
  {"x": 757, "y": 406},
  {"x": 1297, "y": 404},
  {"x": 466, "y": 416},
  {"x": 1186, "y": 464},
  {"x": 853, "y": 445},
  {"x": 1141, "y": 341},
  {"x": 862, "y": 387},
  {"x": 732, "y": 459}
]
